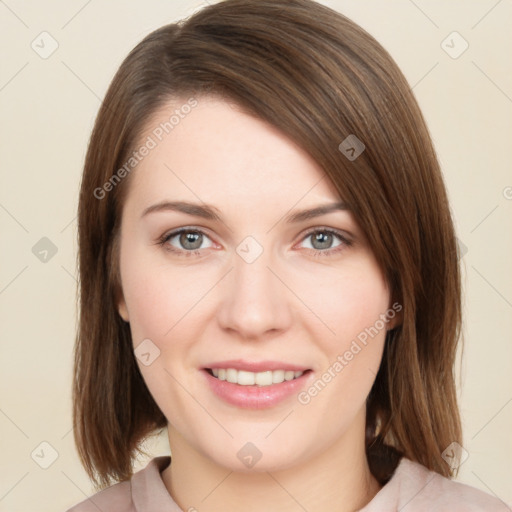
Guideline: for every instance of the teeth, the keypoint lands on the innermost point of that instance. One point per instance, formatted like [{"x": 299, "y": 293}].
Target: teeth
[
  {"x": 244, "y": 378},
  {"x": 263, "y": 378}
]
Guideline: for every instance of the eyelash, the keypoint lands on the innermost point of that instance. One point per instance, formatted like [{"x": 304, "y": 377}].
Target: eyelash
[{"x": 316, "y": 252}]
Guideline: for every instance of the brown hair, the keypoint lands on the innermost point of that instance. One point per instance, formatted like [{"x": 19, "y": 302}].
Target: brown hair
[{"x": 317, "y": 77}]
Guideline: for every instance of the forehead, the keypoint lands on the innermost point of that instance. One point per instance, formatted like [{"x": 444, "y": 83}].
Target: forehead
[{"x": 215, "y": 152}]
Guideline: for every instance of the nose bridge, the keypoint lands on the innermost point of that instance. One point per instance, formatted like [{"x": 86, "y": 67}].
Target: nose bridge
[
  {"x": 252, "y": 277},
  {"x": 255, "y": 301}
]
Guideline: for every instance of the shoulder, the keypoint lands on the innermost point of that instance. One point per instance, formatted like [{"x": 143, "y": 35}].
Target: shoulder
[
  {"x": 116, "y": 498},
  {"x": 421, "y": 490},
  {"x": 144, "y": 490},
  {"x": 436, "y": 492}
]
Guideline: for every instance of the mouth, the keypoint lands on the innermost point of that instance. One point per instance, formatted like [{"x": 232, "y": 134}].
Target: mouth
[
  {"x": 256, "y": 385},
  {"x": 262, "y": 379}
]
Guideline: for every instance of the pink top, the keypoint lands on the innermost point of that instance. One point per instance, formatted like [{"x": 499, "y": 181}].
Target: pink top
[{"x": 412, "y": 488}]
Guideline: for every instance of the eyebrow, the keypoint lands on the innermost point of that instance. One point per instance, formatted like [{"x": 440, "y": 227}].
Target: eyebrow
[{"x": 209, "y": 212}]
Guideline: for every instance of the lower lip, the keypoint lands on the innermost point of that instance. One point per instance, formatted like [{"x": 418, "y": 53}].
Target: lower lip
[{"x": 256, "y": 397}]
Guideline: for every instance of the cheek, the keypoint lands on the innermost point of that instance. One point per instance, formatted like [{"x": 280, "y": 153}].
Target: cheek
[
  {"x": 160, "y": 306},
  {"x": 159, "y": 296},
  {"x": 150, "y": 304},
  {"x": 165, "y": 305},
  {"x": 349, "y": 301},
  {"x": 353, "y": 308}
]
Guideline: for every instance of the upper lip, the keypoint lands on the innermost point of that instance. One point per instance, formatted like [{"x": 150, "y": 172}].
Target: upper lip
[{"x": 256, "y": 366}]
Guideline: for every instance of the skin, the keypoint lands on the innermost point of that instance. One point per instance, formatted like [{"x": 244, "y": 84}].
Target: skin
[{"x": 287, "y": 305}]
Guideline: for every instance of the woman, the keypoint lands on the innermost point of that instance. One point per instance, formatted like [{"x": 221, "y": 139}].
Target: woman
[{"x": 268, "y": 268}]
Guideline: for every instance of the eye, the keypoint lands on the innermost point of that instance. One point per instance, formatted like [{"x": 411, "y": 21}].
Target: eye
[
  {"x": 322, "y": 241},
  {"x": 188, "y": 241}
]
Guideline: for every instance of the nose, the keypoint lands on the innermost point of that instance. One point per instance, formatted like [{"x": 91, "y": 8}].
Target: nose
[{"x": 255, "y": 300}]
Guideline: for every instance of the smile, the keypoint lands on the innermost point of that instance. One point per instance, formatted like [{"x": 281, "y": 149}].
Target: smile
[
  {"x": 260, "y": 389},
  {"x": 246, "y": 378}
]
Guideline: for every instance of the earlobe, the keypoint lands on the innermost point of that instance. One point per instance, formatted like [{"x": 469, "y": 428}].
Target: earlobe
[
  {"x": 123, "y": 310},
  {"x": 395, "y": 321},
  {"x": 392, "y": 324}
]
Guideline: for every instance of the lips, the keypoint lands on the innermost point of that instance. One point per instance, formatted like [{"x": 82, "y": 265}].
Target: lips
[{"x": 250, "y": 384}]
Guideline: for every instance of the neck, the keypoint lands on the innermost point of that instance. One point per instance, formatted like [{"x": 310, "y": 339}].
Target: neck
[{"x": 337, "y": 479}]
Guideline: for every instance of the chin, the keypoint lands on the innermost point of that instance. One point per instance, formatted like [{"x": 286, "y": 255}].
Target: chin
[{"x": 257, "y": 456}]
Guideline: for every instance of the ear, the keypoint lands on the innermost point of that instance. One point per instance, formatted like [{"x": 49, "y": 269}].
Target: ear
[
  {"x": 395, "y": 315},
  {"x": 122, "y": 309},
  {"x": 393, "y": 322}
]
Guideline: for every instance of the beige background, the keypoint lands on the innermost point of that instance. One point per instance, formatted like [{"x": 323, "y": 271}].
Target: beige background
[{"x": 48, "y": 108}]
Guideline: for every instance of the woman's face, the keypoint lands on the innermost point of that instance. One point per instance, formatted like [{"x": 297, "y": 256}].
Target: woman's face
[{"x": 250, "y": 292}]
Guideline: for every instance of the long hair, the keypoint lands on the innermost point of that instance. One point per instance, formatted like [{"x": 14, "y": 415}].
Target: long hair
[{"x": 318, "y": 78}]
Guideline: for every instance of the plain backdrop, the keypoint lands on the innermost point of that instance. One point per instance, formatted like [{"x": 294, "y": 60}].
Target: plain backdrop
[{"x": 48, "y": 103}]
